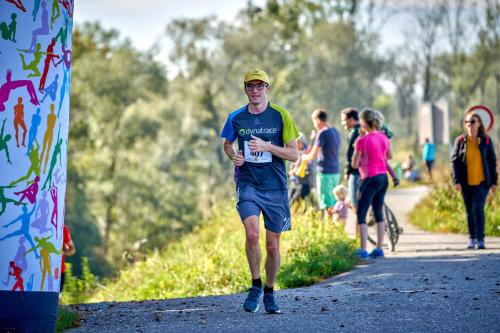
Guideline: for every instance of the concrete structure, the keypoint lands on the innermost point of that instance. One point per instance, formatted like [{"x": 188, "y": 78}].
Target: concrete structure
[{"x": 433, "y": 122}]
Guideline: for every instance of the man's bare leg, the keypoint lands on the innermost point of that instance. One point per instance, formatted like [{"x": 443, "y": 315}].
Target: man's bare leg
[
  {"x": 252, "y": 246},
  {"x": 273, "y": 257}
]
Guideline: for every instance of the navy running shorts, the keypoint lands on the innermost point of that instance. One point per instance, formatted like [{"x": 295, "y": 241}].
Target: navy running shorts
[{"x": 273, "y": 204}]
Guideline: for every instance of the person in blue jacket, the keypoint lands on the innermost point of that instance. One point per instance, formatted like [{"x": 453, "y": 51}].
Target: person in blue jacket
[{"x": 428, "y": 156}]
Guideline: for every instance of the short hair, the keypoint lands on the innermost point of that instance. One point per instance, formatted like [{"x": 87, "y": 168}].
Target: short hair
[
  {"x": 320, "y": 114},
  {"x": 380, "y": 117},
  {"x": 350, "y": 113},
  {"x": 340, "y": 189}
]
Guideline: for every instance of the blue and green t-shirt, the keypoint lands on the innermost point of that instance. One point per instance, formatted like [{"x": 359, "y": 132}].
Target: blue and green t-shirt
[{"x": 275, "y": 124}]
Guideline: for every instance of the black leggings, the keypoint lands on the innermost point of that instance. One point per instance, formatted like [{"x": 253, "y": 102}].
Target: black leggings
[{"x": 371, "y": 192}]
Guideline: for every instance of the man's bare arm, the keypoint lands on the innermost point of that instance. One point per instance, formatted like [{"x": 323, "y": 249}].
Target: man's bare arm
[
  {"x": 289, "y": 152},
  {"x": 236, "y": 157},
  {"x": 312, "y": 154}
]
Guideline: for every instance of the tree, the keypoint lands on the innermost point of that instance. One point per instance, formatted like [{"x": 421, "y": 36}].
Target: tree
[
  {"x": 118, "y": 128},
  {"x": 429, "y": 20},
  {"x": 402, "y": 72}
]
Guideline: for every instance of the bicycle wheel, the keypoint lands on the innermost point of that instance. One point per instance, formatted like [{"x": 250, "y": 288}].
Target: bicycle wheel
[{"x": 391, "y": 228}]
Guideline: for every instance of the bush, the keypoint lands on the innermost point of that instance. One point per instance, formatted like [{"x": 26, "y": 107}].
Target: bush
[
  {"x": 443, "y": 211},
  {"x": 66, "y": 319},
  {"x": 315, "y": 250},
  {"x": 78, "y": 290},
  {"x": 212, "y": 260}
]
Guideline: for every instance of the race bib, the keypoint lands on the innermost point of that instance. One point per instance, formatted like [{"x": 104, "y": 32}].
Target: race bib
[{"x": 256, "y": 157}]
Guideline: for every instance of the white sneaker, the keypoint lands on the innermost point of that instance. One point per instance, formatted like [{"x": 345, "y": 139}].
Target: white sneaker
[{"x": 472, "y": 244}]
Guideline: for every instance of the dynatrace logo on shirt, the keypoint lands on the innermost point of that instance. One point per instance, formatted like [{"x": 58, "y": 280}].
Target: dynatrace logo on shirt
[{"x": 255, "y": 131}]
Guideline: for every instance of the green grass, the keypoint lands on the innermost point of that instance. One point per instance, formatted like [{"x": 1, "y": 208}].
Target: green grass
[
  {"x": 66, "y": 319},
  {"x": 79, "y": 290},
  {"x": 212, "y": 261},
  {"x": 443, "y": 211}
]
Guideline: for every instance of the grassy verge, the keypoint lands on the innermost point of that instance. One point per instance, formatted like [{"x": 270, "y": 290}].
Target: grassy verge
[
  {"x": 212, "y": 260},
  {"x": 66, "y": 319},
  {"x": 443, "y": 211}
]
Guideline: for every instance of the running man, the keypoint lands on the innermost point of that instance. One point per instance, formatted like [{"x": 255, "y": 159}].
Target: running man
[
  {"x": 16, "y": 272},
  {"x": 267, "y": 136}
]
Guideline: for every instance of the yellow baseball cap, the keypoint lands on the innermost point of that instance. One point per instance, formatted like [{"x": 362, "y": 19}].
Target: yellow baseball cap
[{"x": 256, "y": 74}]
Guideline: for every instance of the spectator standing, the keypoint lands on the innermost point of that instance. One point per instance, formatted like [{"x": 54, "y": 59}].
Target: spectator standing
[
  {"x": 68, "y": 250},
  {"x": 428, "y": 156},
  {"x": 326, "y": 151},
  {"x": 349, "y": 119},
  {"x": 372, "y": 150},
  {"x": 473, "y": 166}
]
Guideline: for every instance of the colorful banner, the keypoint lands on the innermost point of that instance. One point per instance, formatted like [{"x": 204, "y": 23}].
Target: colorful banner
[{"x": 35, "y": 71}]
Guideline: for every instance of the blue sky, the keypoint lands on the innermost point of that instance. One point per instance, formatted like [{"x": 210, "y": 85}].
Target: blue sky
[{"x": 144, "y": 21}]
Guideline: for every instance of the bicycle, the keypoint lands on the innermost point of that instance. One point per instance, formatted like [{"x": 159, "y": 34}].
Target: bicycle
[{"x": 392, "y": 229}]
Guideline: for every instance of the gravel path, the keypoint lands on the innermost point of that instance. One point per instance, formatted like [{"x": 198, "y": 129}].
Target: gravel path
[{"x": 430, "y": 284}]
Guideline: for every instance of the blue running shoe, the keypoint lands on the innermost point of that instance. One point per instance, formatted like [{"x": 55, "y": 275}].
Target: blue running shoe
[
  {"x": 269, "y": 304},
  {"x": 377, "y": 253},
  {"x": 362, "y": 253},
  {"x": 251, "y": 303},
  {"x": 480, "y": 245}
]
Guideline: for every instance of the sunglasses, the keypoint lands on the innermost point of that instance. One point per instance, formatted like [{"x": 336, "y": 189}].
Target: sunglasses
[{"x": 472, "y": 121}]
